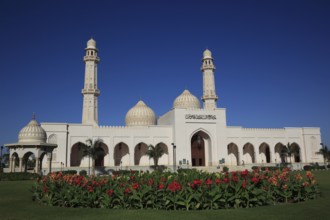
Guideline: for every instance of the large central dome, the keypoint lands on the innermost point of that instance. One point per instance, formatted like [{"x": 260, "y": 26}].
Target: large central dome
[
  {"x": 186, "y": 100},
  {"x": 140, "y": 115}
]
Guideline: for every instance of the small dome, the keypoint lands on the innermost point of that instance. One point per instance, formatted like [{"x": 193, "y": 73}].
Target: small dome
[
  {"x": 186, "y": 100},
  {"x": 140, "y": 115},
  {"x": 91, "y": 43},
  {"x": 207, "y": 54},
  {"x": 32, "y": 132}
]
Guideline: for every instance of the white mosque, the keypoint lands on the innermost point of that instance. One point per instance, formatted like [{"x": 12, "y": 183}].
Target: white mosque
[{"x": 190, "y": 135}]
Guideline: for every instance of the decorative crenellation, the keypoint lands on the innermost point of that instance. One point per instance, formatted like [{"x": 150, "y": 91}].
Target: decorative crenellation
[{"x": 264, "y": 129}]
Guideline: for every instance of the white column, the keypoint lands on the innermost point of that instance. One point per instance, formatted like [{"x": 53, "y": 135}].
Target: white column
[
  {"x": 37, "y": 165},
  {"x": 20, "y": 164}
]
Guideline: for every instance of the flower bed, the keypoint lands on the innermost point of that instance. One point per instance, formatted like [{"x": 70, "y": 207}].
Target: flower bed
[{"x": 190, "y": 190}]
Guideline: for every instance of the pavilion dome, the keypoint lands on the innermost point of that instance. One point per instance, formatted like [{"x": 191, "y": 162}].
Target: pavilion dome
[
  {"x": 32, "y": 132},
  {"x": 140, "y": 115},
  {"x": 186, "y": 100}
]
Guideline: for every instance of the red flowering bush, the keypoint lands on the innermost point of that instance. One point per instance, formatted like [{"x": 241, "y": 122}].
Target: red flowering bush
[{"x": 189, "y": 190}]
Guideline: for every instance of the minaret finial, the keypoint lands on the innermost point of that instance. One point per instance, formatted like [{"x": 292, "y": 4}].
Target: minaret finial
[{"x": 33, "y": 116}]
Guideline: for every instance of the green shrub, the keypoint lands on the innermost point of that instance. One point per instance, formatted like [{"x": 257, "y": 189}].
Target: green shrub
[
  {"x": 308, "y": 167},
  {"x": 67, "y": 172},
  {"x": 83, "y": 172},
  {"x": 225, "y": 169},
  {"x": 190, "y": 190}
]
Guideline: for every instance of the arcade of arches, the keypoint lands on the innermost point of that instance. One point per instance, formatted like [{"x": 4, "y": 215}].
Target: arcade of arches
[
  {"x": 261, "y": 154},
  {"x": 30, "y": 162},
  {"x": 121, "y": 156}
]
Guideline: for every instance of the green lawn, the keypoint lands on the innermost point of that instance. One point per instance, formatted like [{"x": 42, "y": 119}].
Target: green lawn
[{"x": 16, "y": 203}]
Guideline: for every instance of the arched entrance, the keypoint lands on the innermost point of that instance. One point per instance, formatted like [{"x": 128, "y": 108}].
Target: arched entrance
[
  {"x": 163, "y": 160},
  {"x": 101, "y": 152},
  {"x": 248, "y": 153},
  {"x": 264, "y": 153},
  {"x": 200, "y": 145},
  {"x": 14, "y": 162},
  {"x": 233, "y": 154},
  {"x": 296, "y": 152},
  {"x": 76, "y": 155},
  {"x": 140, "y": 157},
  {"x": 279, "y": 156},
  {"x": 29, "y": 162},
  {"x": 121, "y": 154}
]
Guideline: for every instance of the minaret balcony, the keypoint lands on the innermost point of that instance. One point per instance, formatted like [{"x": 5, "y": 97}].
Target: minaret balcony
[
  {"x": 92, "y": 58},
  {"x": 90, "y": 91},
  {"x": 208, "y": 66},
  {"x": 204, "y": 97}
]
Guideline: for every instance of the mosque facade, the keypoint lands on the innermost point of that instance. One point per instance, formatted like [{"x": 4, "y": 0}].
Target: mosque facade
[{"x": 191, "y": 135}]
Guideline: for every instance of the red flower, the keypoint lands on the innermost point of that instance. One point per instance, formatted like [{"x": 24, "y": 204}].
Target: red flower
[
  {"x": 135, "y": 186},
  {"x": 309, "y": 175},
  {"x": 208, "y": 182},
  {"x": 226, "y": 180},
  {"x": 234, "y": 178},
  {"x": 150, "y": 182},
  {"x": 244, "y": 173},
  {"x": 44, "y": 189},
  {"x": 110, "y": 192},
  {"x": 89, "y": 188},
  {"x": 127, "y": 190},
  {"x": 161, "y": 186},
  {"x": 198, "y": 182},
  {"x": 255, "y": 180},
  {"x": 174, "y": 186},
  {"x": 162, "y": 179},
  {"x": 244, "y": 184},
  {"x": 133, "y": 178},
  {"x": 217, "y": 181}
]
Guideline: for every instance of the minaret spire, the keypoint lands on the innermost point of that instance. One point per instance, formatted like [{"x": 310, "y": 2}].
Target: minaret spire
[
  {"x": 90, "y": 91},
  {"x": 209, "y": 95}
]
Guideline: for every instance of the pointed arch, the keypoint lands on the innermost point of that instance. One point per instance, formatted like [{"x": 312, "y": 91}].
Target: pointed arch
[
  {"x": 233, "y": 155},
  {"x": 99, "y": 161},
  {"x": 140, "y": 157},
  {"x": 264, "y": 153},
  {"x": 201, "y": 149},
  {"x": 248, "y": 153},
  {"x": 14, "y": 161},
  {"x": 121, "y": 154},
  {"x": 163, "y": 160},
  {"x": 76, "y": 155},
  {"x": 297, "y": 152},
  {"x": 29, "y": 161},
  {"x": 278, "y": 149}
]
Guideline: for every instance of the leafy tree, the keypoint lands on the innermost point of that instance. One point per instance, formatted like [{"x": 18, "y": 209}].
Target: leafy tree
[
  {"x": 92, "y": 149},
  {"x": 325, "y": 153},
  {"x": 155, "y": 152},
  {"x": 289, "y": 151}
]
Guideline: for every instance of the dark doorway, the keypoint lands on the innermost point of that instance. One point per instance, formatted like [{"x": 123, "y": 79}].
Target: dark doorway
[
  {"x": 267, "y": 155},
  {"x": 197, "y": 151},
  {"x": 99, "y": 161}
]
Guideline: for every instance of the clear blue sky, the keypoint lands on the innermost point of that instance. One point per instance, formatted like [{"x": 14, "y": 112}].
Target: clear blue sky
[{"x": 272, "y": 59}]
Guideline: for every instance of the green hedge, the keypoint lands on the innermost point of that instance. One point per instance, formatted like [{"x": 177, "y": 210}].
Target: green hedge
[
  {"x": 19, "y": 176},
  {"x": 64, "y": 172}
]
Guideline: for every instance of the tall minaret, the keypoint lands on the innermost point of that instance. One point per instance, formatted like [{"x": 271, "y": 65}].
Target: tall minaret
[
  {"x": 90, "y": 91},
  {"x": 209, "y": 96}
]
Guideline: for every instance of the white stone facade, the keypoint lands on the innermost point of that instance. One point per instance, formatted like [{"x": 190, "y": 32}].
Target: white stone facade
[{"x": 201, "y": 135}]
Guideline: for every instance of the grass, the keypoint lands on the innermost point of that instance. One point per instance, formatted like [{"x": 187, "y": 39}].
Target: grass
[{"x": 16, "y": 203}]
